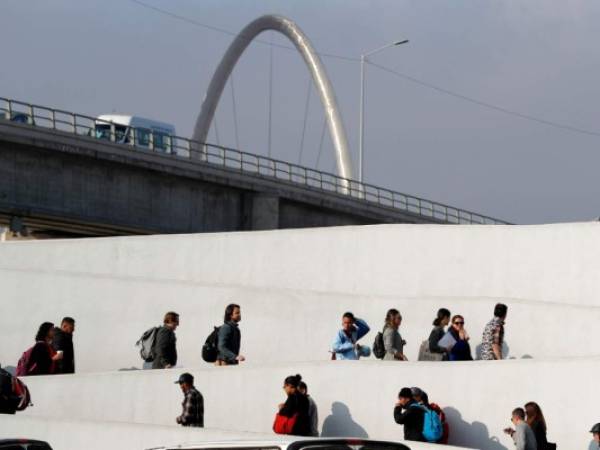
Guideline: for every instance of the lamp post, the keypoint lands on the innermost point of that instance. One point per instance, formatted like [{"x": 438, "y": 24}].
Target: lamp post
[{"x": 361, "y": 137}]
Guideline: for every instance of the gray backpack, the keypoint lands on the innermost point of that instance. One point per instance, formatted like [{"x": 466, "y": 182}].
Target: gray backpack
[{"x": 146, "y": 344}]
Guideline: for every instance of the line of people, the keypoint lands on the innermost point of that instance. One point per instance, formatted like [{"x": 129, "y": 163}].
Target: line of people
[{"x": 451, "y": 344}]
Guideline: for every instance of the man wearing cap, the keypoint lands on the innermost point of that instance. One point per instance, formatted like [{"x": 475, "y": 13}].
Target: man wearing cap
[
  {"x": 596, "y": 433},
  {"x": 193, "y": 403},
  {"x": 408, "y": 413}
]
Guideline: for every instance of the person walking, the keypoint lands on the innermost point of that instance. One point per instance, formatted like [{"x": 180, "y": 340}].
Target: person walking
[
  {"x": 493, "y": 334},
  {"x": 345, "y": 345},
  {"x": 313, "y": 413},
  {"x": 461, "y": 350},
  {"x": 392, "y": 341},
  {"x": 165, "y": 346},
  {"x": 596, "y": 434},
  {"x": 230, "y": 337},
  {"x": 192, "y": 414},
  {"x": 41, "y": 358},
  {"x": 522, "y": 435},
  {"x": 537, "y": 423},
  {"x": 407, "y": 412},
  {"x": 63, "y": 342},
  {"x": 296, "y": 405},
  {"x": 441, "y": 321}
]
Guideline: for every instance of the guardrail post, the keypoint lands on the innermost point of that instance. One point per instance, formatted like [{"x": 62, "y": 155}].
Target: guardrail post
[
  {"x": 53, "y": 118},
  {"x": 30, "y": 120},
  {"x": 112, "y": 132},
  {"x": 151, "y": 140}
]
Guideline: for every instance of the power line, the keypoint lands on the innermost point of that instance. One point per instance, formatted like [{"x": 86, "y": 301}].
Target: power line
[
  {"x": 270, "y": 93},
  {"x": 235, "y": 121},
  {"x": 305, "y": 118},
  {"x": 412, "y": 79},
  {"x": 485, "y": 104}
]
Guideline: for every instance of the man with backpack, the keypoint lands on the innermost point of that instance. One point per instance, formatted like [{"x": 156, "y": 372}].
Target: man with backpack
[
  {"x": 228, "y": 347},
  {"x": 165, "y": 345},
  {"x": 63, "y": 342},
  {"x": 408, "y": 413}
]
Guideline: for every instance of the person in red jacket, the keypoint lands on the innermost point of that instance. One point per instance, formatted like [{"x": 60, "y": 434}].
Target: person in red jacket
[{"x": 421, "y": 397}]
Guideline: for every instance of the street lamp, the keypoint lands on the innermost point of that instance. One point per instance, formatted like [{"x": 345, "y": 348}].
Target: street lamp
[{"x": 361, "y": 137}]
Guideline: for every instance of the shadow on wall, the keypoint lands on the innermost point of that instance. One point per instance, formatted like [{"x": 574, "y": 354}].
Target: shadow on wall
[
  {"x": 505, "y": 351},
  {"x": 340, "y": 423},
  {"x": 465, "y": 434}
]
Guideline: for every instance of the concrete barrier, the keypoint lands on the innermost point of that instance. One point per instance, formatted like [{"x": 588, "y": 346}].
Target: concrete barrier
[
  {"x": 277, "y": 325},
  {"x": 354, "y": 399},
  {"x": 554, "y": 263},
  {"x": 75, "y": 434}
]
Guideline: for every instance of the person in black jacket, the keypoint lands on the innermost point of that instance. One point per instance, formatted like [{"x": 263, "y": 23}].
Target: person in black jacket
[
  {"x": 442, "y": 320},
  {"x": 537, "y": 423},
  {"x": 63, "y": 341},
  {"x": 165, "y": 346},
  {"x": 408, "y": 413},
  {"x": 230, "y": 337},
  {"x": 296, "y": 403}
]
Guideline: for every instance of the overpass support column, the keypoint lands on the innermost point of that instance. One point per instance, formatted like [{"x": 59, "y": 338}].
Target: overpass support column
[{"x": 261, "y": 211}]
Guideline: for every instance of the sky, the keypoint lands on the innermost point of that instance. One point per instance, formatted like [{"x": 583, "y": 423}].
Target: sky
[{"x": 537, "y": 59}]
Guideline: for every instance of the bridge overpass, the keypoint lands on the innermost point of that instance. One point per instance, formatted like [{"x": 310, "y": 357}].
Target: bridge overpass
[{"x": 56, "y": 177}]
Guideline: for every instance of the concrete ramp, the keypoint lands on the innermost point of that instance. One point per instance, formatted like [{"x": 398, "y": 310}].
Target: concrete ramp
[
  {"x": 294, "y": 285},
  {"x": 354, "y": 399}
]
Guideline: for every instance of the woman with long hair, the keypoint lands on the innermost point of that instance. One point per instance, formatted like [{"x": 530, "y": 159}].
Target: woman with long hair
[
  {"x": 392, "y": 341},
  {"x": 297, "y": 405},
  {"x": 442, "y": 320},
  {"x": 537, "y": 423},
  {"x": 461, "y": 350},
  {"x": 43, "y": 356}
]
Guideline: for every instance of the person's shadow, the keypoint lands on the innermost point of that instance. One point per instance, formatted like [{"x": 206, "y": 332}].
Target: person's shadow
[
  {"x": 340, "y": 423},
  {"x": 465, "y": 434},
  {"x": 505, "y": 351}
]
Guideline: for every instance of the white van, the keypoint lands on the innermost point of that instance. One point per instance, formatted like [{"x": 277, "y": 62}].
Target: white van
[{"x": 149, "y": 134}]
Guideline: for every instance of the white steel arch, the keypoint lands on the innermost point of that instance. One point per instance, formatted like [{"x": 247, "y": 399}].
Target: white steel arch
[{"x": 289, "y": 29}]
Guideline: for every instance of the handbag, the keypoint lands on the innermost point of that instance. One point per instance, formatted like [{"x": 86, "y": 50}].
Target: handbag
[
  {"x": 284, "y": 424},
  {"x": 427, "y": 355}
]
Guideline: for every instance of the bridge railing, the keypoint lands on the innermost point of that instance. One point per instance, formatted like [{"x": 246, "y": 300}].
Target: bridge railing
[{"x": 204, "y": 153}]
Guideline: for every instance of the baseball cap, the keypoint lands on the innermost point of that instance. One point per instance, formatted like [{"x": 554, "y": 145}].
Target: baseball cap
[{"x": 185, "y": 378}]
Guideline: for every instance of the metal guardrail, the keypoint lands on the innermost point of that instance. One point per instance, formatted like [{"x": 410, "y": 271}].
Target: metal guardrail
[{"x": 179, "y": 147}]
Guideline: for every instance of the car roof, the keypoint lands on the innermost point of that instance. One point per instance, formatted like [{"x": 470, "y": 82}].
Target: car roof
[
  {"x": 283, "y": 441},
  {"x": 22, "y": 441}
]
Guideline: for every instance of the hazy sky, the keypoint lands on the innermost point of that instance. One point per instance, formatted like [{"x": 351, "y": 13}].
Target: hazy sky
[{"x": 537, "y": 58}]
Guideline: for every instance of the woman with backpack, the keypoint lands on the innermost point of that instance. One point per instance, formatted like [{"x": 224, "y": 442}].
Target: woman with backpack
[
  {"x": 392, "y": 341},
  {"x": 441, "y": 321},
  {"x": 40, "y": 359},
  {"x": 293, "y": 417}
]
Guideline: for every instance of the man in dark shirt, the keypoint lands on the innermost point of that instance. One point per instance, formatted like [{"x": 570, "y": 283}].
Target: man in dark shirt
[
  {"x": 63, "y": 341},
  {"x": 165, "y": 346},
  {"x": 230, "y": 337},
  {"x": 192, "y": 414},
  {"x": 408, "y": 413}
]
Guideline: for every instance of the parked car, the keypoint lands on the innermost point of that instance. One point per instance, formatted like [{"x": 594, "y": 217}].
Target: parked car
[
  {"x": 23, "y": 444},
  {"x": 293, "y": 443}
]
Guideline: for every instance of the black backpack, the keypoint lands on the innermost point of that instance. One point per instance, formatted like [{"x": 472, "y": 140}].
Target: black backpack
[
  {"x": 210, "y": 348},
  {"x": 378, "y": 347}
]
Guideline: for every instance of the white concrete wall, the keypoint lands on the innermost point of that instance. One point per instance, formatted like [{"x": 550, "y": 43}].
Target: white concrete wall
[
  {"x": 354, "y": 399},
  {"x": 554, "y": 263},
  {"x": 277, "y": 324},
  {"x": 116, "y": 288}
]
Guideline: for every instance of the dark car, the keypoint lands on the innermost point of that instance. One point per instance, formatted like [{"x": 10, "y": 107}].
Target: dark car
[{"x": 23, "y": 444}]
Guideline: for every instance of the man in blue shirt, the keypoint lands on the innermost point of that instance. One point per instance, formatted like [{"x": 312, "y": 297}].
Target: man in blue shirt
[{"x": 345, "y": 345}]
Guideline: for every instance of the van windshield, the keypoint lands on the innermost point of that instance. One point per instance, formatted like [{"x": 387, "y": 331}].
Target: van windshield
[{"x": 103, "y": 132}]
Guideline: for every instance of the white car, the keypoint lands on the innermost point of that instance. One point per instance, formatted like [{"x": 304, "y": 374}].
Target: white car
[{"x": 298, "y": 443}]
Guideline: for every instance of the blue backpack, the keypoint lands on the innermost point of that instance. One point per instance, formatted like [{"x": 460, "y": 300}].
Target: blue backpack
[{"x": 432, "y": 424}]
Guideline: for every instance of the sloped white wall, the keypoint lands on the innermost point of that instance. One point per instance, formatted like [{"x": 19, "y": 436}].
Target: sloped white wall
[
  {"x": 118, "y": 287},
  {"x": 354, "y": 399}
]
